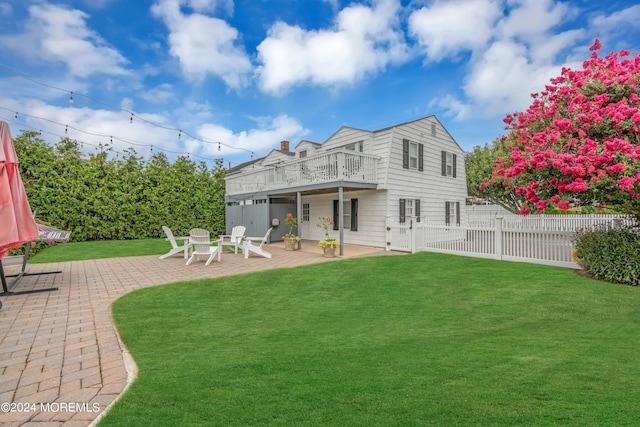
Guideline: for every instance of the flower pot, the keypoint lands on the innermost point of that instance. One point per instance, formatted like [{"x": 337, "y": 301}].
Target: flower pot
[
  {"x": 329, "y": 252},
  {"x": 290, "y": 244}
]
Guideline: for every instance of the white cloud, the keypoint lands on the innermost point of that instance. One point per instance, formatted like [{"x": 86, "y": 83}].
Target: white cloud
[
  {"x": 447, "y": 28},
  {"x": 532, "y": 18},
  {"x": 516, "y": 53},
  {"x": 617, "y": 19},
  {"x": 59, "y": 35},
  {"x": 363, "y": 41},
  {"x": 269, "y": 132},
  {"x": 203, "y": 45}
]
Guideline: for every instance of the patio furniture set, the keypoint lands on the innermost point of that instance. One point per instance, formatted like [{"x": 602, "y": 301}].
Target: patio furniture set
[{"x": 199, "y": 244}]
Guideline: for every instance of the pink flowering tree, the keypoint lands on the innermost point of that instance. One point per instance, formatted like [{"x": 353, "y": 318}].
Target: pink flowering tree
[{"x": 578, "y": 144}]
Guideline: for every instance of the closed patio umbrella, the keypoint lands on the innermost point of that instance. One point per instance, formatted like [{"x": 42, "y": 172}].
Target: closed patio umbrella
[{"x": 17, "y": 225}]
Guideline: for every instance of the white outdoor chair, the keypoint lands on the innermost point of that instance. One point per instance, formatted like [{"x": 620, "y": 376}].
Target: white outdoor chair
[
  {"x": 175, "y": 248},
  {"x": 234, "y": 239},
  {"x": 201, "y": 241},
  {"x": 249, "y": 246}
]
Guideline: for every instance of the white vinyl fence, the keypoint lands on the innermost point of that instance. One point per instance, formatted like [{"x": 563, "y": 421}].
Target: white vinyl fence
[{"x": 540, "y": 239}]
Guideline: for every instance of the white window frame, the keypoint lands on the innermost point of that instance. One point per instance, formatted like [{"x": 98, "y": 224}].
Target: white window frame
[
  {"x": 449, "y": 164},
  {"x": 413, "y": 155},
  {"x": 305, "y": 212},
  {"x": 354, "y": 146}
]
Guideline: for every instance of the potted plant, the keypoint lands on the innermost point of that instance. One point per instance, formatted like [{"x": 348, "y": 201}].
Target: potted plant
[
  {"x": 327, "y": 244},
  {"x": 290, "y": 239}
]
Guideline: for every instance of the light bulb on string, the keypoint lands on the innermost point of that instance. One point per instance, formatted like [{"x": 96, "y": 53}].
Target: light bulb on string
[
  {"x": 70, "y": 97},
  {"x": 66, "y": 129},
  {"x": 218, "y": 146},
  {"x": 131, "y": 118},
  {"x": 16, "y": 116},
  {"x": 180, "y": 134}
]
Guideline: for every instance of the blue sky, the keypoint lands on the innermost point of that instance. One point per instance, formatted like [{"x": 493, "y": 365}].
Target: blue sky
[{"x": 251, "y": 73}]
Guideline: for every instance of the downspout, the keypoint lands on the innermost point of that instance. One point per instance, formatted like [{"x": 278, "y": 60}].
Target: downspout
[
  {"x": 299, "y": 216},
  {"x": 341, "y": 218}
]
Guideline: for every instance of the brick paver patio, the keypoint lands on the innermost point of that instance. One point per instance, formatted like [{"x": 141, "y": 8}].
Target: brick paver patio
[{"x": 61, "y": 361}]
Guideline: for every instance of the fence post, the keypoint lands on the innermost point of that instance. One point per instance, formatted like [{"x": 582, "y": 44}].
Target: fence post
[
  {"x": 499, "y": 237},
  {"x": 412, "y": 236}
]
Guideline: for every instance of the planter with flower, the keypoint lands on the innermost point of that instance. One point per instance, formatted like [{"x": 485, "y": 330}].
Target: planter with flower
[
  {"x": 290, "y": 239},
  {"x": 327, "y": 244}
]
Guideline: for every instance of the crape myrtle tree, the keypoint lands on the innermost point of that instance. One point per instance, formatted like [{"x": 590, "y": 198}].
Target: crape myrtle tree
[{"x": 578, "y": 143}]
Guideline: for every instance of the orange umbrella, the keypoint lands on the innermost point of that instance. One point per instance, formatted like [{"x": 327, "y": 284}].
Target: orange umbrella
[{"x": 17, "y": 225}]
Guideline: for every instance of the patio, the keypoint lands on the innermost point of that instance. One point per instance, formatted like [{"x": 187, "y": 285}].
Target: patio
[{"x": 61, "y": 361}]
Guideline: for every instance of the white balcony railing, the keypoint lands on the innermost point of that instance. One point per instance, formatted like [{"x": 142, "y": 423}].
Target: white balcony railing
[{"x": 328, "y": 167}]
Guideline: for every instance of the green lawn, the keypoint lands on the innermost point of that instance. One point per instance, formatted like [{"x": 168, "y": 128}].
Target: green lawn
[
  {"x": 78, "y": 251},
  {"x": 424, "y": 339}
]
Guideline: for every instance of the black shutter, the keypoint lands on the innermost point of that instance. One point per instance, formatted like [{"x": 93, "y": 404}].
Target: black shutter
[
  {"x": 420, "y": 157},
  {"x": 402, "y": 215},
  {"x": 458, "y": 213},
  {"x": 446, "y": 213},
  {"x": 417, "y": 206},
  {"x": 444, "y": 163},
  {"x": 405, "y": 154},
  {"x": 336, "y": 214},
  {"x": 454, "y": 167},
  {"x": 354, "y": 214}
]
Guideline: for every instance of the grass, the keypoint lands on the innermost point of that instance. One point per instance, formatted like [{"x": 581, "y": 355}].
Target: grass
[
  {"x": 79, "y": 251},
  {"x": 425, "y": 339}
]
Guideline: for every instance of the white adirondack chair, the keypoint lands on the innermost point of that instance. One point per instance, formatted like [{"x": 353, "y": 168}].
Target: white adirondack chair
[
  {"x": 234, "y": 239},
  {"x": 175, "y": 248},
  {"x": 249, "y": 246},
  {"x": 201, "y": 241}
]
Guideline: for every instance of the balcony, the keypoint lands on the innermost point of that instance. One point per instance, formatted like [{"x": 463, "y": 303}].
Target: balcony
[{"x": 335, "y": 166}]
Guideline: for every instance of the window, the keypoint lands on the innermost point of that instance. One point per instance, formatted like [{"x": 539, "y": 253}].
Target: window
[
  {"x": 305, "y": 212},
  {"x": 449, "y": 164},
  {"x": 409, "y": 208},
  {"x": 302, "y": 154},
  {"x": 356, "y": 146},
  {"x": 349, "y": 214},
  {"x": 452, "y": 213},
  {"x": 433, "y": 129},
  {"x": 412, "y": 155}
]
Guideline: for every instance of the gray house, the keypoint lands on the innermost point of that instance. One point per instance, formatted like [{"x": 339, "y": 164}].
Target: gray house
[{"x": 365, "y": 180}]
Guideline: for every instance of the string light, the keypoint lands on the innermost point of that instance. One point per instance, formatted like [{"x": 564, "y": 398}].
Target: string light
[
  {"x": 16, "y": 116},
  {"x": 218, "y": 146},
  {"x": 66, "y": 129},
  {"x": 33, "y": 80},
  {"x": 82, "y": 143}
]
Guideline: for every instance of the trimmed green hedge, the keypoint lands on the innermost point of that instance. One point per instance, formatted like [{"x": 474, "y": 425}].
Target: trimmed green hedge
[
  {"x": 104, "y": 196},
  {"x": 610, "y": 254}
]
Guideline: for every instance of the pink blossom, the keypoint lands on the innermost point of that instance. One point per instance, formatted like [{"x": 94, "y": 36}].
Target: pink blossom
[
  {"x": 563, "y": 206},
  {"x": 626, "y": 182},
  {"x": 525, "y": 210},
  {"x": 555, "y": 199},
  {"x": 618, "y": 167}
]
